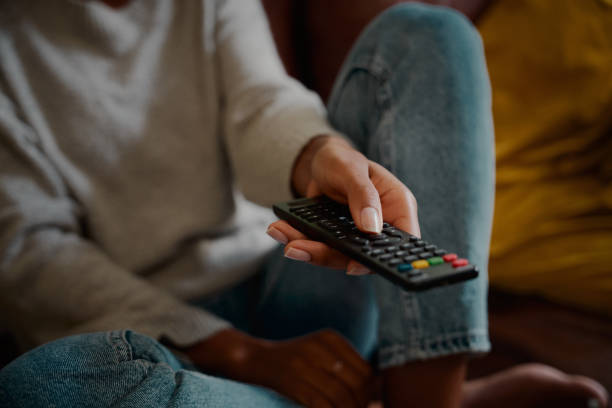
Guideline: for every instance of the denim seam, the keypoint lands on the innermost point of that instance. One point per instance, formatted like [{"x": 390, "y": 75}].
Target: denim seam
[
  {"x": 382, "y": 137},
  {"x": 384, "y": 102},
  {"x": 121, "y": 346},
  {"x": 411, "y": 314}
]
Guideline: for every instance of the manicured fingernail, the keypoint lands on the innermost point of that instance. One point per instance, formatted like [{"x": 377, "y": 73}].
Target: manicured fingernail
[
  {"x": 297, "y": 254},
  {"x": 592, "y": 403},
  {"x": 370, "y": 220},
  {"x": 358, "y": 270},
  {"x": 277, "y": 235}
]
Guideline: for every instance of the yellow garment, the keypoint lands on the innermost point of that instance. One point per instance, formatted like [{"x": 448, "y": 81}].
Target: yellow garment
[{"x": 551, "y": 70}]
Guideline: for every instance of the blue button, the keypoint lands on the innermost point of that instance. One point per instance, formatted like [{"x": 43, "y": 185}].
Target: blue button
[{"x": 404, "y": 267}]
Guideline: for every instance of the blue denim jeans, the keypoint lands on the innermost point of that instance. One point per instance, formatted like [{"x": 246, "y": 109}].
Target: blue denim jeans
[{"x": 412, "y": 95}]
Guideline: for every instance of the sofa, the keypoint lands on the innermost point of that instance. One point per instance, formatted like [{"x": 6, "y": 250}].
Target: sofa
[{"x": 313, "y": 37}]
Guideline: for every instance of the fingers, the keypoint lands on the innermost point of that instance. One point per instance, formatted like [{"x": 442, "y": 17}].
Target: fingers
[
  {"x": 402, "y": 211},
  {"x": 399, "y": 203},
  {"x": 316, "y": 253},
  {"x": 299, "y": 248},
  {"x": 334, "y": 367},
  {"x": 325, "y": 383},
  {"x": 282, "y": 232},
  {"x": 364, "y": 203},
  {"x": 355, "y": 268},
  {"x": 342, "y": 348},
  {"x": 304, "y": 393}
]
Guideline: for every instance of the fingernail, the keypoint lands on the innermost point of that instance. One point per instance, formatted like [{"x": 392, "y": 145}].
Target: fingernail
[
  {"x": 297, "y": 255},
  {"x": 592, "y": 403},
  {"x": 277, "y": 235},
  {"x": 370, "y": 220},
  {"x": 358, "y": 270}
]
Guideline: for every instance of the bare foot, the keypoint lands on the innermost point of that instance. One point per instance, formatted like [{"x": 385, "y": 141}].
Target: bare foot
[{"x": 534, "y": 385}]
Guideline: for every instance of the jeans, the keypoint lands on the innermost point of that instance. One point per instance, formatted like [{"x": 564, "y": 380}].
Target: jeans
[{"x": 412, "y": 95}]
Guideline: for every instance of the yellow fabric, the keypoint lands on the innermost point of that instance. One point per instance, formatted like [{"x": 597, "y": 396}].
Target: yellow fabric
[{"x": 551, "y": 71}]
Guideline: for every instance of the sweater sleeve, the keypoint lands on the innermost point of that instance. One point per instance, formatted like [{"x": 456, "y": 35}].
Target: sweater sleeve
[
  {"x": 268, "y": 117},
  {"x": 53, "y": 280}
]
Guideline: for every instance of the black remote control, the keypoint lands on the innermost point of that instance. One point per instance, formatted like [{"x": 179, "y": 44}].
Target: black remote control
[{"x": 398, "y": 256}]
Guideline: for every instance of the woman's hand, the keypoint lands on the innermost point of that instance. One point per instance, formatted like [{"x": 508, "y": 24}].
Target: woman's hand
[
  {"x": 329, "y": 165},
  {"x": 320, "y": 369}
]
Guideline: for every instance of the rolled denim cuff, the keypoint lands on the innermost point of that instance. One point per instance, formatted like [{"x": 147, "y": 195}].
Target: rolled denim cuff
[
  {"x": 433, "y": 323},
  {"x": 470, "y": 342}
]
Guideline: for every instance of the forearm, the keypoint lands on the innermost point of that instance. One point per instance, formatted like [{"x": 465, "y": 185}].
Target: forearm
[{"x": 61, "y": 284}]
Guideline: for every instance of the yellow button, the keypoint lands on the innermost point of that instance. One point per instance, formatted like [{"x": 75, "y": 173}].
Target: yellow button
[{"x": 420, "y": 264}]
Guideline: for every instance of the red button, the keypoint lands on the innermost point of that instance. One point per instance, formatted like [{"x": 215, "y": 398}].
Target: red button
[
  {"x": 449, "y": 257},
  {"x": 459, "y": 262}
]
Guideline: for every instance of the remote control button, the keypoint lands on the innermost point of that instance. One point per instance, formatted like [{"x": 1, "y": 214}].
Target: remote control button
[
  {"x": 404, "y": 267},
  {"x": 386, "y": 225},
  {"x": 391, "y": 248},
  {"x": 393, "y": 231},
  {"x": 338, "y": 233},
  {"x": 425, "y": 255},
  {"x": 384, "y": 257},
  {"x": 420, "y": 243},
  {"x": 460, "y": 262},
  {"x": 394, "y": 240},
  {"x": 439, "y": 252},
  {"x": 359, "y": 240},
  {"x": 449, "y": 257},
  {"x": 313, "y": 218},
  {"x": 307, "y": 213},
  {"x": 401, "y": 253},
  {"x": 381, "y": 242},
  {"x": 326, "y": 224},
  {"x": 416, "y": 250},
  {"x": 410, "y": 258},
  {"x": 406, "y": 246},
  {"x": 430, "y": 248},
  {"x": 394, "y": 261},
  {"x": 435, "y": 260},
  {"x": 341, "y": 237},
  {"x": 366, "y": 251},
  {"x": 342, "y": 218},
  {"x": 420, "y": 264},
  {"x": 377, "y": 236},
  {"x": 378, "y": 251},
  {"x": 413, "y": 238}
]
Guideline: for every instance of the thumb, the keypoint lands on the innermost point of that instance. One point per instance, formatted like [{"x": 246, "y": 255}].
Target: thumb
[{"x": 364, "y": 203}]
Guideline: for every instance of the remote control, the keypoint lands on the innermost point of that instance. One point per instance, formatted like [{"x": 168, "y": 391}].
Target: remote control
[{"x": 398, "y": 256}]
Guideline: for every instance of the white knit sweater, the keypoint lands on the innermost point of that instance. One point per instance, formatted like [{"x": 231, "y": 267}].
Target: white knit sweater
[{"x": 124, "y": 135}]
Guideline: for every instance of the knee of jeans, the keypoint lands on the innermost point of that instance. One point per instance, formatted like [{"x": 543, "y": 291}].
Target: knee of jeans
[
  {"x": 413, "y": 26},
  {"x": 88, "y": 370}
]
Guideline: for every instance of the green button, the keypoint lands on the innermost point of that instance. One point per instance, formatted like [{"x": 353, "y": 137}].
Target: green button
[
  {"x": 436, "y": 260},
  {"x": 404, "y": 267}
]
